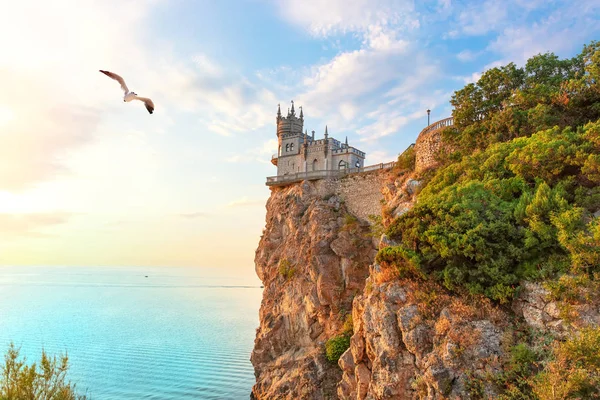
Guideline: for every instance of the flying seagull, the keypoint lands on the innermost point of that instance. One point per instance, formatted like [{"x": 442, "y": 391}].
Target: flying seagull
[{"x": 130, "y": 95}]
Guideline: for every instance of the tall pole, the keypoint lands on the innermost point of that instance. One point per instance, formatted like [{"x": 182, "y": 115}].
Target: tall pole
[{"x": 428, "y": 111}]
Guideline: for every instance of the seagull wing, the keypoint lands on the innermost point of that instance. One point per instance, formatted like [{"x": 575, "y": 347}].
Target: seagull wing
[
  {"x": 149, "y": 104},
  {"x": 116, "y": 78}
]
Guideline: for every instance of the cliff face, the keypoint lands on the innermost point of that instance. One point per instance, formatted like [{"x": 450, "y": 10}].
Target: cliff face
[
  {"x": 410, "y": 340},
  {"x": 313, "y": 259}
]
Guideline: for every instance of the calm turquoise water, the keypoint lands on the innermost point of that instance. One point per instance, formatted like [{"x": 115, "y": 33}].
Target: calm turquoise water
[{"x": 173, "y": 335}]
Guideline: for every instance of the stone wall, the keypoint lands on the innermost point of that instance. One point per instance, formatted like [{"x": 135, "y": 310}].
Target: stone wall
[
  {"x": 360, "y": 192},
  {"x": 290, "y": 164},
  {"x": 425, "y": 148}
]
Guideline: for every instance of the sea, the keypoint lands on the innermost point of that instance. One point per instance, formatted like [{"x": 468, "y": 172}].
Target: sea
[{"x": 135, "y": 332}]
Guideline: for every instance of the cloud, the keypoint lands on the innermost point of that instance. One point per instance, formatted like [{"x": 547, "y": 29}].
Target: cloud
[
  {"x": 467, "y": 55},
  {"x": 245, "y": 202},
  {"x": 29, "y": 225},
  {"x": 49, "y": 80},
  {"x": 481, "y": 18},
  {"x": 256, "y": 154},
  {"x": 325, "y": 18},
  {"x": 561, "y": 32}
]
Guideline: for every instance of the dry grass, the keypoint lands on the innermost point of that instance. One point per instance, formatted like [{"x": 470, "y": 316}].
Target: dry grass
[{"x": 387, "y": 274}]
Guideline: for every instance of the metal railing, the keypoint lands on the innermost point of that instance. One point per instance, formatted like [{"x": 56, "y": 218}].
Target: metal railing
[{"x": 314, "y": 175}]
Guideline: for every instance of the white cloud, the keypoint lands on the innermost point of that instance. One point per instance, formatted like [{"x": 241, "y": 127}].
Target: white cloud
[
  {"x": 467, "y": 55},
  {"x": 31, "y": 224},
  {"x": 324, "y": 18},
  {"x": 481, "y": 18},
  {"x": 563, "y": 31}
]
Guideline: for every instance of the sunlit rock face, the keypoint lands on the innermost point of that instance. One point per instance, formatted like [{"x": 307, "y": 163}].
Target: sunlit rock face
[{"x": 313, "y": 260}]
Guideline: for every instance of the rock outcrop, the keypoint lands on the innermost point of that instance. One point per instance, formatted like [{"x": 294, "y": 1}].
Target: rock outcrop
[{"x": 313, "y": 259}]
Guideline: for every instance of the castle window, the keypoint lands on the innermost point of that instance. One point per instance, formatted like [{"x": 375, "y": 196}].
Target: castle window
[
  {"x": 292, "y": 147},
  {"x": 342, "y": 164},
  {"x": 287, "y": 147},
  {"x": 314, "y": 165}
]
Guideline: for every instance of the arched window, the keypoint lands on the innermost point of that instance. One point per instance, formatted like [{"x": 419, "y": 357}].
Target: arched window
[
  {"x": 314, "y": 165},
  {"x": 342, "y": 164},
  {"x": 287, "y": 147},
  {"x": 292, "y": 147}
]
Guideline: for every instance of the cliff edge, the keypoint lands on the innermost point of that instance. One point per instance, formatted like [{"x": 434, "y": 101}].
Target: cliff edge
[{"x": 313, "y": 259}]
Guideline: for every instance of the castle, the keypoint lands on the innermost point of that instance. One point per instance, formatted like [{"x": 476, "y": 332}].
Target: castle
[{"x": 300, "y": 153}]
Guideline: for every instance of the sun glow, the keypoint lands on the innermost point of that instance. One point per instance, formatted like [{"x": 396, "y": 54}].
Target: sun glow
[{"x": 6, "y": 115}]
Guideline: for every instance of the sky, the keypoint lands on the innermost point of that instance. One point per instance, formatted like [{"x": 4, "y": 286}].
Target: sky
[{"x": 87, "y": 180}]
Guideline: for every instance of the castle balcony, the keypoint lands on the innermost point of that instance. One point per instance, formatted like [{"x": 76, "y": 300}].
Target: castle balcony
[{"x": 274, "y": 159}]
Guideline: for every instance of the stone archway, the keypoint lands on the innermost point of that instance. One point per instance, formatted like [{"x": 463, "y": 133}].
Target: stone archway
[{"x": 314, "y": 164}]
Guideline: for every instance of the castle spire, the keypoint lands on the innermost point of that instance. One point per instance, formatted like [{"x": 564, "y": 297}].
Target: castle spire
[
  {"x": 278, "y": 112},
  {"x": 313, "y": 135},
  {"x": 326, "y": 134},
  {"x": 346, "y": 141},
  {"x": 293, "y": 112},
  {"x": 301, "y": 114}
]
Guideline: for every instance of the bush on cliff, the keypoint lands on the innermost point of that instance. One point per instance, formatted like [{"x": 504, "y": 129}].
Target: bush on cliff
[
  {"x": 46, "y": 381},
  {"x": 336, "y": 346},
  {"x": 574, "y": 370},
  {"x": 406, "y": 160},
  {"x": 522, "y": 203}
]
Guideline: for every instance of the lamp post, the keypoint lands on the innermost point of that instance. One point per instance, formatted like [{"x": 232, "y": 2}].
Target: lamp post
[{"x": 428, "y": 111}]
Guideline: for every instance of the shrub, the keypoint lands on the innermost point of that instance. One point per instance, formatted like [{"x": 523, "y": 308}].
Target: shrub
[
  {"x": 407, "y": 159},
  {"x": 574, "y": 371},
  {"x": 286, "y": 269},
  {"x": 348, "y": 327},
  {"x": 350, "y": 223},
  {"x": 377, "y": 228},
  {"x": 336, "y": 346},
  {"x": 46, "y": 381}
]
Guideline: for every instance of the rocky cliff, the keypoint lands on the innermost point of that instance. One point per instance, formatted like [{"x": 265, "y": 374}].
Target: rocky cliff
[
  {"x": 313, "y": 259},
  {"x": 410, "y": 339}
]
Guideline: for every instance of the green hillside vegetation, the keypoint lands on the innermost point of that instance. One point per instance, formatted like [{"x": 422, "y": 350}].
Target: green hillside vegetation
[{"x": 515, "y": 198}]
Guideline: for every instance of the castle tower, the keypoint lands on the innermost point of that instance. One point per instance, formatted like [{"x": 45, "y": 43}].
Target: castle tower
[{"x": 290, "y": 138}]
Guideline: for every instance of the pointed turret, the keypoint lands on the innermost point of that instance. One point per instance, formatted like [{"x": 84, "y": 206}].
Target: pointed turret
[
  {"x": 326, "y": 134},
  {"x": 313, "y": 135},
  {"x": 278, "y": 112},
  {"x": 301, "y": 114},
  {"x": 293, "y": 112},
  {"x": 346, "y": 141}
]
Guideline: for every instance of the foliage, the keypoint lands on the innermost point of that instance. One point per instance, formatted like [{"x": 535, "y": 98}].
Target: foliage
[
  {"x": 377, "y": 228},
  {"x": 406, "y": 160},
  {"x": 574, "y": 371},
  {"x": 46, "y": 381},
  {"x": 286, "y": 269},
  {"x": 350, "y": 223},
  {"x": 348, "y": 327},
  {"x": 510, "y": 212},
  {"x": 336, "y": 346},
  {"x": 509, "y": 102}
]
